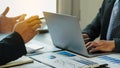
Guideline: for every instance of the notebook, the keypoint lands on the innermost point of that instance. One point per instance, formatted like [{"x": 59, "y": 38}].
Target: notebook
[
  {"x": 20, "y": 61},
  {"x": 66, "y": 33}
]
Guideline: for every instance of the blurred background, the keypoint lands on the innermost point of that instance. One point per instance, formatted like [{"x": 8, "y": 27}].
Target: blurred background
[{"x": 85, "y": 10}]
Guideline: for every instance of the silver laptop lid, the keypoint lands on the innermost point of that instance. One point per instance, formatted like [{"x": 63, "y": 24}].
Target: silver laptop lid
[{"x": 65, "y": 32}]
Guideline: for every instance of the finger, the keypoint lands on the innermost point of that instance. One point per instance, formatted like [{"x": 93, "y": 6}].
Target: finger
[
  {"x": 19, "y": 17},
  {"x": 84, "y": 35},
  {"x": 92, "y": 45},
  {"x": 88, "y": 44},
  {"x": 35, "y": 32},
  {"x": 32, "y": 18},
  {"x": 36, "y": 26},
  {"x": 86, "y": 39},
  {"x": 16, "y": 18},
  {"x": 5, "y": 11},
  {"x": 99, "y": 48},
  {"x": 22, "y": 17},
  {"x": 35, "y": 22}
]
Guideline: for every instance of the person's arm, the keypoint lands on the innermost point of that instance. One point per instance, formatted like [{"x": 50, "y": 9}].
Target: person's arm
[
  {"x": 11, "y": 48},
  {"x": 93, "y": 29},
  {"x": 101, "y": 46},
  {"x": 117, "y": 45}
]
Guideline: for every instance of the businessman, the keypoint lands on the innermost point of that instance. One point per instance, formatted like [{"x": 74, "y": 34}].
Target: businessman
[
  {"x": 106, "y": 25},
  {"x": 13, "y": 46}
]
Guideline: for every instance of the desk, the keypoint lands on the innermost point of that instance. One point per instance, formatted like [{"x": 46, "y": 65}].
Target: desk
[{"x": 45, "y": 38}]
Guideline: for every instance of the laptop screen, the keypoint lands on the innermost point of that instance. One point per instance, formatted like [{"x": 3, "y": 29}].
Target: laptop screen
[{"x": 65, "y": 32}]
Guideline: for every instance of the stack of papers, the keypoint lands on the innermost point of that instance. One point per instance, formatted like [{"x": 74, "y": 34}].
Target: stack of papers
[
  {"x": 33, "y": 46},
  {"x": 59, "y": 61},
  {"x": 113, "y": 60},
  {"x": 37, "y": 47}
]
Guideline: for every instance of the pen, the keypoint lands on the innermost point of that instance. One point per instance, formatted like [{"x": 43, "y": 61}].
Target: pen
[
  {"x": 43, "y": 31},
  {"x": 103, "y": 66}
]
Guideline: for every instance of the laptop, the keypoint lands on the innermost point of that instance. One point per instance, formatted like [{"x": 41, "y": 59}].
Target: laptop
[{"x": 66, "y": 33}]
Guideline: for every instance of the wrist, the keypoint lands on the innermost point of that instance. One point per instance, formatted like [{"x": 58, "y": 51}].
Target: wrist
[{"x": 112, "y": 45}]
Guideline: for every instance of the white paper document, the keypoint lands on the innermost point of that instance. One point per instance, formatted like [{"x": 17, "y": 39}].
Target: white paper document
[
  {"x": 39, "y": 47},
  {"x": 113, "y": 60},
  {"x": 59, "y": 61}
]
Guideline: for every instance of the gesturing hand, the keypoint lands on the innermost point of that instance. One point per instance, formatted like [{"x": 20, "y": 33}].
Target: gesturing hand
[
  {"x": 28, "y": 28},
  {"x": 7, "y": 23}
]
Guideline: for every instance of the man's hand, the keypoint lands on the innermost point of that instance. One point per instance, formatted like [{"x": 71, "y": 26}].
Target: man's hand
[
  {"x": 100, "y": 45},
  {"x": 7, "y": 23},
  {"x": 28, "y": 28},
  {"x": 86, "y": 38}
]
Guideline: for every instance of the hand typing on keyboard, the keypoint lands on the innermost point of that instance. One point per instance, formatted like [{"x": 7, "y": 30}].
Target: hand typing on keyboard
[{"x": 100, "y": 45}]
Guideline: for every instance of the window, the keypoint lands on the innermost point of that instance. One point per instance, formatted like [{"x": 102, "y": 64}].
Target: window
[{"x": 30, "y": 7}]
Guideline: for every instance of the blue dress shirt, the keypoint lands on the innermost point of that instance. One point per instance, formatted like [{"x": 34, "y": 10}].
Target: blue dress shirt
[{"x": 112, "y": 19}]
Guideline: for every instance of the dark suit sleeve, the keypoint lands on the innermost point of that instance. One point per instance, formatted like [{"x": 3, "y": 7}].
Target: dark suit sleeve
[
  {"x": 11, "y": 48},
  {"x": 117, "y": 45},
  {"x": 93, "y": 29}
]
